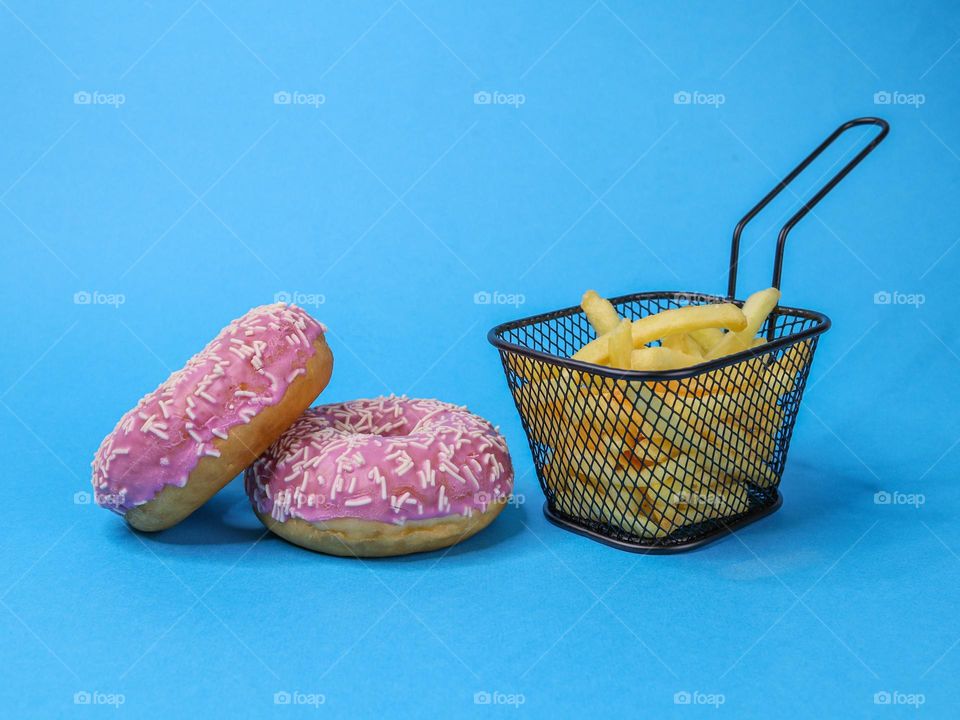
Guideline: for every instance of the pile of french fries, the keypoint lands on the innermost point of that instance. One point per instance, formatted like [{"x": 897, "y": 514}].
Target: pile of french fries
[{"x": 652, "y": 456}]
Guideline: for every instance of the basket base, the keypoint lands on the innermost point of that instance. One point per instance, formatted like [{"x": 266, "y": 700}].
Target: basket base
[{"x": 654, "y": 549}]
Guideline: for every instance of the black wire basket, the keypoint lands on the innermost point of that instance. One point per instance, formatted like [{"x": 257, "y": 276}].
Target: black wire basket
[{"x": 666, "y": 461}]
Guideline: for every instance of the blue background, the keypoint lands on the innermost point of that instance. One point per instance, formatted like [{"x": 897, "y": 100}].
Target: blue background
[{"x": 394, "y": 202}]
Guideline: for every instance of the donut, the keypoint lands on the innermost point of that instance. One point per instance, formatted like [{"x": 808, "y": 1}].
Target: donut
[
  {"x": 384, "y": 476},
  {"x": 212, "y": 418}
]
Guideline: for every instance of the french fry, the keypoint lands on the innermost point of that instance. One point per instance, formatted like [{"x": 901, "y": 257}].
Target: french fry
[
  {"x": 728, "y": 430},
  {"x": 706, "y": 338},
  {"x": 684, "y": 343},
  {"x": 670, "y": 493},
  {"x": 620, "y": 345},
  {"x": 756, "y": 309},
  {"x": 692, "y": 435},
  {"x": 683, "y": 499},
  {"x": 668, "y": 322},
  {"x": 582, "y": 497},
  {"x": 601, "y": 314},
  {"x": 661, "y": 358}
]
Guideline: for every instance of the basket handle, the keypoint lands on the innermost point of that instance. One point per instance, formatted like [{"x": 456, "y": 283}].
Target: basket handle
[{"x": 809, "y": 205}]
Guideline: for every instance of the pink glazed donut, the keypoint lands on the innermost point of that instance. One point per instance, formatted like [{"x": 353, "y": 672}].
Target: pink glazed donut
[
  {"x": 387, "y": 476},
  {"x": 211, "y": 419}
]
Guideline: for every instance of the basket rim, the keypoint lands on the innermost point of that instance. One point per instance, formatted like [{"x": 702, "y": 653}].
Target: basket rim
[{"x": 494, "y": 336}]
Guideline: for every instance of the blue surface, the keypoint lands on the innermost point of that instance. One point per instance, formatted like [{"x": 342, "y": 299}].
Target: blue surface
[{"x": 395, "y": 201}]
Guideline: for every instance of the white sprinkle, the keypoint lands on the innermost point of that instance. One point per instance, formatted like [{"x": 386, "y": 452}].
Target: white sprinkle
[
  {"x": 292, "y": 376},
  {"x": 404, "y": 465},
  {"x": 427, "y": 475},
  {"x": 473, "y": 478},
  {"x": 452, "y": 470},
  {"x": 357, "y": 502},
  {"x": 397, "y": 502}
]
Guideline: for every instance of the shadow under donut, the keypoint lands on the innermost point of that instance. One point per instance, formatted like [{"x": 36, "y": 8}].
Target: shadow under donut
[{"x": 228, "y": 519}]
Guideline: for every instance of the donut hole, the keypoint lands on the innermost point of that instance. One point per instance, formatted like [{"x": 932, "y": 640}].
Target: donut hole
[{"x": 403, "y": 431}]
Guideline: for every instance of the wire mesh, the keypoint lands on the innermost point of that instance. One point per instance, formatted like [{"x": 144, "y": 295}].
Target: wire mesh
[{"x": 657, "y": 460}]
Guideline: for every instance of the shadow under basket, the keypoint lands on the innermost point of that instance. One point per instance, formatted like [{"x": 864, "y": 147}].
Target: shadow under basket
[{"x": 660, "y": 462}]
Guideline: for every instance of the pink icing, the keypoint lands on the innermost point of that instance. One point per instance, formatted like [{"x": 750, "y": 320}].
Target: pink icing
[
  {"x": 246, "y": 368},
  {"x": 387, "y": 459}
]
